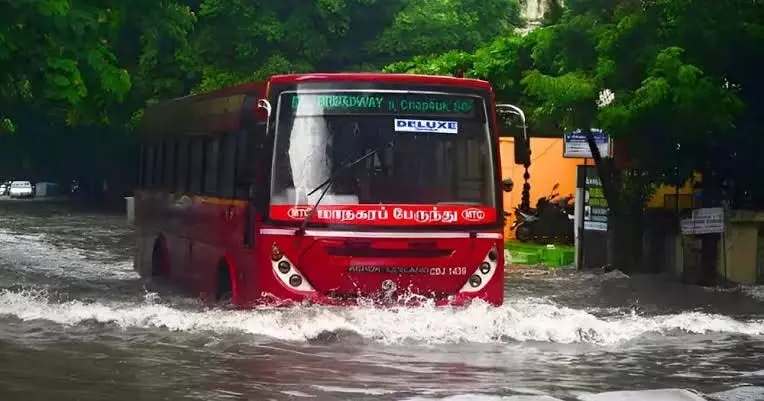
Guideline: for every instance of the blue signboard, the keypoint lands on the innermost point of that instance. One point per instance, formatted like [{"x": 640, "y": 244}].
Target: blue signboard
[{"x": 575, "y": 145}]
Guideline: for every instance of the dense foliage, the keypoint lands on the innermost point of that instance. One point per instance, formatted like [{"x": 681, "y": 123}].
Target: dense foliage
[
  {"x": 683, "y": 72},
  {"x": 675, "y": 81},
  {"x": 76, "y": 74}
]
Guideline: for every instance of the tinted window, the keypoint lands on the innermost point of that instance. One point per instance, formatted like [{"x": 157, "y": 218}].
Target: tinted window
[
  {"x": 227, "y": 165},
  {"x": 169, "y": 166},
  {"x": 197, "y": 155},
  {"x": 211, "y": 166},
  {"x": 182, "y": 165}
]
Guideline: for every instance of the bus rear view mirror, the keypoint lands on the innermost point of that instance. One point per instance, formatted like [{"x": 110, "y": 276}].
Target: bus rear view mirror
[
  {"x": 264, "y": 104},
  {"x": 512, "y": 124},
  {"x": 522, "y": 151}
]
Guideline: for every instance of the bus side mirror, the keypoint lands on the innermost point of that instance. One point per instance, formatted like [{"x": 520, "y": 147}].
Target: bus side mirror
[
  {"x": 507, "y": 185},
  {"x": 264, "y": 106},
  {"x": 522, "y": 151},
  {"x": 512, "y": 124}
]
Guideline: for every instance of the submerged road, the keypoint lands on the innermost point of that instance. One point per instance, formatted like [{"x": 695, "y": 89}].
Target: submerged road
[{"x": 76, "y": 323}]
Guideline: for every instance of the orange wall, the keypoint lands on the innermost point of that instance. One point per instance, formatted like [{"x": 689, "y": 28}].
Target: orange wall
[{"x": 547, "y": 168}]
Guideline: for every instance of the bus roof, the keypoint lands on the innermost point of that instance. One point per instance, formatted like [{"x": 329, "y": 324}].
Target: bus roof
[{"x": 380, "y": 77}]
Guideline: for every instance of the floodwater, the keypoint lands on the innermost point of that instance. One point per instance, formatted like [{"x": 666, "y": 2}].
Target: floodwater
[{"x": 76, "y": 323}]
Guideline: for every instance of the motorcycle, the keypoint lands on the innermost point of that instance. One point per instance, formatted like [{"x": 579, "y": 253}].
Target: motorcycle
[{"x": 550, "y": 221}]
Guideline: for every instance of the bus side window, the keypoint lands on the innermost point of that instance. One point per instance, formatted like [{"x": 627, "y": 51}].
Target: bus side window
[
  {"x": 211, "y": 166},
  {"x": 149, "y": 176},
  {"x": 141, "y": 164},
  {"x": 182, "y": 166},
  {"x": 197, "y": 154},
  {"x": 169, "y": 165},
  {"x": 227, "y": 165},
  {"x": 245, "y": 162}
]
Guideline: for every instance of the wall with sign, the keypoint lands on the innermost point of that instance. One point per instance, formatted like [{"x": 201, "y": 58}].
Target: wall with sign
[
  {"x": 576, "y": 146},
  {"x": 548, "y": 167},
  {"x": 595, "y": 204}
]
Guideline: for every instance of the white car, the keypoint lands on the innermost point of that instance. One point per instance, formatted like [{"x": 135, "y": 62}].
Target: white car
[{"x": 21, "y": 189}]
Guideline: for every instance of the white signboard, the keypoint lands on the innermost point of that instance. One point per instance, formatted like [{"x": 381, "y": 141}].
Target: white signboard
[
  {"x": 433, "y": 126},
  {"x": 575, "y": 145},
  {"x": 704, "y": 221}
]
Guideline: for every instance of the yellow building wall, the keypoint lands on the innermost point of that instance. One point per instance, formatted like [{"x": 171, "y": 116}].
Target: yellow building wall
[
  {"x": 658, "y": 200},
  {"x": 740, "y": 244},
  {"x": 548, "y": 167}
]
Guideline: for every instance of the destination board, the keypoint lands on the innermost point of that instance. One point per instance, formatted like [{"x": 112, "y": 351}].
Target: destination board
[{"x": 385, "y": 103}]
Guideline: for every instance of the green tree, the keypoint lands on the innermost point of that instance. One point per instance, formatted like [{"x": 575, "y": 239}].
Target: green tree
[
  {"x": 241, "y": 40},
  {"x": 668, "y": 63},
  {"x": 434, "y": 26},
  {"x": 686, "y": 92},
  {"x": 55, "y": 55},
  {"x": 74, "y": 73},
  {"x": 271, "y": 37}
]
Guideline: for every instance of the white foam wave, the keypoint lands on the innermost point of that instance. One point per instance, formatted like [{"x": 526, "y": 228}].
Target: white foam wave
[
  {"x": 652, "y": 395},
  {"x": 754, "y": 291},
  {"x": 525, "y": 320},
  {"x": 485, "y": 397},
  {"x": 742, "y": 393}
]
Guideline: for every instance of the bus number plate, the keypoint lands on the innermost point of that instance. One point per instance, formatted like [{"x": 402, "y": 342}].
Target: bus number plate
[{"x": 448, "y": 271}]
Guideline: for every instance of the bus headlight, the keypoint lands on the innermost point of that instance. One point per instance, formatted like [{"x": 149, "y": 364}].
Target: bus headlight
[
  {"x": 483, "y": 273},
  {"x": 485, "y": 268},
  {"x": 287, "y": 273}
]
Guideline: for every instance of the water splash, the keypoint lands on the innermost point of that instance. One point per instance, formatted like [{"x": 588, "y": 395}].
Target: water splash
[{"x": 522, "y": 320}]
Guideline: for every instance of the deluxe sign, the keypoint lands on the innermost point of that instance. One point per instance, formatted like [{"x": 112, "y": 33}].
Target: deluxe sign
[
  {"x": 421, "y": 126},
  {"x": 390, "y": 103},
  {"x": 372, "y": 214}
]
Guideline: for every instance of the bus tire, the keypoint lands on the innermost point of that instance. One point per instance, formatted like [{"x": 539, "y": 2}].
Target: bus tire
[
  {"x": 159, "y": 259},
  {"x": 224, "y": 290}
]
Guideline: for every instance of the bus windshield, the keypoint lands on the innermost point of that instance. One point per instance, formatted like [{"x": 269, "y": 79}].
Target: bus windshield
[{"x": 434, "y": 163}]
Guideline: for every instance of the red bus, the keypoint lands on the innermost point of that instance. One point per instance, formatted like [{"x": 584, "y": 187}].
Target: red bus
[{"x": 325, "y": 189}]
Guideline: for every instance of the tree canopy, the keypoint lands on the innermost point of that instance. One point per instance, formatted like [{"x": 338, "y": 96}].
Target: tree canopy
[
  {"x": 74, "y": 68},
  {"x": 683, "y": 73}
]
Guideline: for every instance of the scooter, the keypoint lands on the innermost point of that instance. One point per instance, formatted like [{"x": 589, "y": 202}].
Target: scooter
[{"x": 551, "y": 220}]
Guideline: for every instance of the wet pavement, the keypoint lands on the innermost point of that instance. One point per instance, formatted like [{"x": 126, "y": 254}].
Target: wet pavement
[{"x": 76, "y": 323}]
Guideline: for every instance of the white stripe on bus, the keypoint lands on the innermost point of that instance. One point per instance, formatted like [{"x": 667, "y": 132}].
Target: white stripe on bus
[{"x": 368, "y": 234}]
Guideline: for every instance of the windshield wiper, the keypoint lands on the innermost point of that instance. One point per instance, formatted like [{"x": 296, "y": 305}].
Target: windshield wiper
[{"x": 328, "y": 183}]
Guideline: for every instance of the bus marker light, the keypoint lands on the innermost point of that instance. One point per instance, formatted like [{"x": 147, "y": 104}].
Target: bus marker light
[
  {"x": 275, "y": 252},
  {"x": 485, "y": 268},
  {"x": 483, "y": 273}
]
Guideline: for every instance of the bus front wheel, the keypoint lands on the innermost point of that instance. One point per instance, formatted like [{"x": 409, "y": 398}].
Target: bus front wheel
[
  {"x": 224, "y": 292},
  {"x": 159, "y": 263}
]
